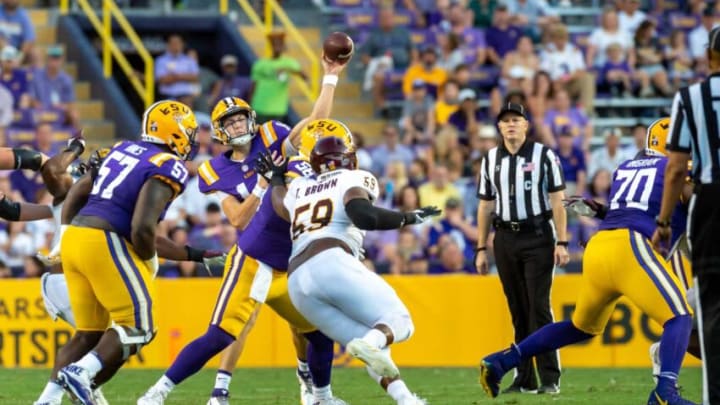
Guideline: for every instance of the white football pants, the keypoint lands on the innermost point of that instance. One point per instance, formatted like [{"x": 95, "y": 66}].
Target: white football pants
[
  {"x": 55, "y": 296},
  {"x": 344, "y": 300}
]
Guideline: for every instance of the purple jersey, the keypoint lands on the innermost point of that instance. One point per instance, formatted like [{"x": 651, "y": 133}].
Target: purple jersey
[
  {"x": 122, "y": 175},
  {"x": 267, "y": 237},
  {"x": 636, "y": 194}
]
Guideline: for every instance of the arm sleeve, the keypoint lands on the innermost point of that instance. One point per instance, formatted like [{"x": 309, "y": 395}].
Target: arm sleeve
[
  {"x": 555, "y": 179},
  {"x": 366, "y": 216},
  {"x": 485, "y": 187},
  {"x": 678, "y": 138}
]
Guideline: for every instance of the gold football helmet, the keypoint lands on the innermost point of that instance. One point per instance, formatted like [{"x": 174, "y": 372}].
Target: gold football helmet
[
  {"x": 226, "y": 107},
  {"x": 170, "y": 123},
  {"x": 324, "y": 128},
  {"x": 656, "y": 137}
]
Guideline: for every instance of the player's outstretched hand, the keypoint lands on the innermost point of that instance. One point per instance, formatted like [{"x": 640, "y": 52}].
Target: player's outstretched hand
[
  {"x": 582, "y": 206},
  {"x": 331, "y": 67},
  {"x": 421, "y": 215},
  {"x": 272, "y": 167},
  {"x": 213, "y": 258}
]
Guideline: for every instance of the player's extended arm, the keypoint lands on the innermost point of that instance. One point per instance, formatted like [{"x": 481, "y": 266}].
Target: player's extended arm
[
  {"x": 323, "y": 105},
  {"x": 152, "y": 200},
  {"x": 168, "y": 249},
  {"x": 76, "y": 198},
  {"x": 368, "y": 217},
  {"x": 22, "y": 211},
  {"x": 239, "y": 213},
  {"x": 54, "y": 171}
]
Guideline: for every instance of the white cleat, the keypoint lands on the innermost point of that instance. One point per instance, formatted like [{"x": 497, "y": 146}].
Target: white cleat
[
  {"x": 75, "y": 380},
  {"x": 655, "y": 358},
  {"x": 100, "y": 397},
  {"x": 412, "y": 400},
  {"x": 306, "y": 387},
  {"x": 330, "y": 401},
  {"x": 153, "y": 397},
  {"x": 378, "y": 360}
]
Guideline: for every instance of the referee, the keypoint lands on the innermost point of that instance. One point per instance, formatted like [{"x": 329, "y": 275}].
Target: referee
[
  {"x": 521, "y": 190},
  {"x": 694, "y": 128}
]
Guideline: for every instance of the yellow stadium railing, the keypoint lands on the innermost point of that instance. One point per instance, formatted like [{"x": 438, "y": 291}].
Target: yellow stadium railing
[
  {"x": 146, "y": 88},
  {"x": 272, "y": 9}
]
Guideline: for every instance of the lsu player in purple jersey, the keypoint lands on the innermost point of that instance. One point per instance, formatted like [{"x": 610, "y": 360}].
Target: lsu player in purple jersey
[
  {"x": 255, "y": 270},
  {"x": 54, "y": 286},
  {"x": 634, "y": 270},
  {"x": 112, "y": 286}
]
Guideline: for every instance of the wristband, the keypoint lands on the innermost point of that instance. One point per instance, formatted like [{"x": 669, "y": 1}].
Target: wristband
[
  {"x": 258, "y": 191},
  {"x": 194, "y": 255},
  {"x": 661, "y": 223},
  {"x": 330, "y": 79},
  {"x": 481, "y": 249},
  {"x": 562, "y": 243}
]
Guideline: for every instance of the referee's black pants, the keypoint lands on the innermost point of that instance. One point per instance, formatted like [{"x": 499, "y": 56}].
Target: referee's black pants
[
  {"x": 705, "y": 256},
  {"x": 525, "y": 263}
]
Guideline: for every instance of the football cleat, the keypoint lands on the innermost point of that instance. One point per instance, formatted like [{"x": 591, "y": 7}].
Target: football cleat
[
  {"x": 219, "y": 397},
  {"x": 494, "y": 367},
  {"x": 412, "y": 400},
  {"x": 551, "y": 389},
  {"x": 100, "y": 397},
  {"x": 50, "y": 402},
  {"x": 379, "y": 361},
  {"x": 306, "y": 387},
  {"x": 671, "y": 398},
  {"x": 75, "y": 380},
  {"x": 655, "y": 358},
  {"x": 153, "y": 397}
]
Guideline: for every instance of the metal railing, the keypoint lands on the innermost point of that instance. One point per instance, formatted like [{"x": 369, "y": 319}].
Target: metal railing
[
  {"x": 110, "y": 10},
  {"x": 271, "y": 10}
]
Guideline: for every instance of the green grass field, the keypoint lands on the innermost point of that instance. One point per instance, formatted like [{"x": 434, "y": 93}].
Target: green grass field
[{"x": 439, "y": 385}]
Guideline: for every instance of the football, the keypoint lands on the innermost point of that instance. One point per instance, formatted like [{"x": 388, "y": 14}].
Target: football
[{"x": 338, "y": 47}]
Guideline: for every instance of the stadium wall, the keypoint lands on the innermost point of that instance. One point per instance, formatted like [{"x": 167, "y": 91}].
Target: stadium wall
[{"x": 458, "y": 319}]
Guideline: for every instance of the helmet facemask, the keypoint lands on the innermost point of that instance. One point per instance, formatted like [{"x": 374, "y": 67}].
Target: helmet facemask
[{"x": 237, "y": 140}]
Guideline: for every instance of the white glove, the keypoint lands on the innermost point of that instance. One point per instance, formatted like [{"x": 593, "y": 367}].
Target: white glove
[{"x": 214, "y": 261}]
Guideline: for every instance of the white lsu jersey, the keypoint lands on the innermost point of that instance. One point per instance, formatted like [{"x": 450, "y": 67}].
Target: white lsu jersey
[{"x": 317, "y": 208}]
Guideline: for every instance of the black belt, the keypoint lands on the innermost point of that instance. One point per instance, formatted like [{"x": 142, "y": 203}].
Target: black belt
[{"x": 532, "y": 224}]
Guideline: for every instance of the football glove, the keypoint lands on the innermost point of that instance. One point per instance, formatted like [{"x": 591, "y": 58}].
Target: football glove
[
  {"x": 208, "y": 258},
  {"x": 272, "y": 167},
  {"x": 76, "y": 143},
  {"x": 585, "y": 207},
  {"x": 421, "y": 215}
]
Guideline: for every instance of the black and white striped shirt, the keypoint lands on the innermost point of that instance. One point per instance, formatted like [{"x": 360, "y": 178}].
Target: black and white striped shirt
[
  {"x": 520, "y": 183},
  {"x": 694, "y": 128}
]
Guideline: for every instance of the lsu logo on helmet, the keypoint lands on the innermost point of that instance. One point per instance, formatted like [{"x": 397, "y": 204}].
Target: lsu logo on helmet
[
  {"x": 656, "y": 137},
  {"x": 170, "y": 123},
  {"x": 323, "y": 128},
  {"x": 225, "y": 108}
]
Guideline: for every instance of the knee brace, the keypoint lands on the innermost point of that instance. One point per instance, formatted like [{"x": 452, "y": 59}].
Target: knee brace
[
  {"x": 27, "y": 159},
  {"x": 132, "y": 338},
  {"x": 400, "y": 324}
]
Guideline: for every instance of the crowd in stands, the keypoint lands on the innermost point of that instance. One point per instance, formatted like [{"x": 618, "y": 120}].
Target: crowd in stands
[{"x": 438, "y": 71}]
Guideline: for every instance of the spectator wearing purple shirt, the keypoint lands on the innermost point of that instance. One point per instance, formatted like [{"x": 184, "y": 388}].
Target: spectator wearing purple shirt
[
  {"x": 473, "y": 39},
  {"x": 501, "y": 37},
  {"x": 616, "y": 74},
  {"x": 14, "y": 78},
  {"x": 231, "y": 84},
  {"x": 450, "y": 259},
  {"x": 467, "y": 118},
  {"x": 177, "y": 73},
  {"x": 572, "y": 161},
  {"x": 15, "y": 25},
  {"x": 565, "y": 115},
  {"x": 52, "y": 88},
  {"x": 460, "y": 228}
]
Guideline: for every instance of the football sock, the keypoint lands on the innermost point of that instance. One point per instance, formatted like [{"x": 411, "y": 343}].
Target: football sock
[
  {"x": 673, "y": 344},
  {"x": 52, "y": 392},
  {"x": 398, "y": 390},
  {"x": 222, "y": 380},
  {"x": 320, "y": 357},
  {"x": 91, "y": 363},
  {"x": 322, "y": 392},
  {"x": 551, "y": 337},
  {"x": 194, "y": 356},
  {"x": 375, "y": 338},
  {"x": 164, "y": 384}
]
